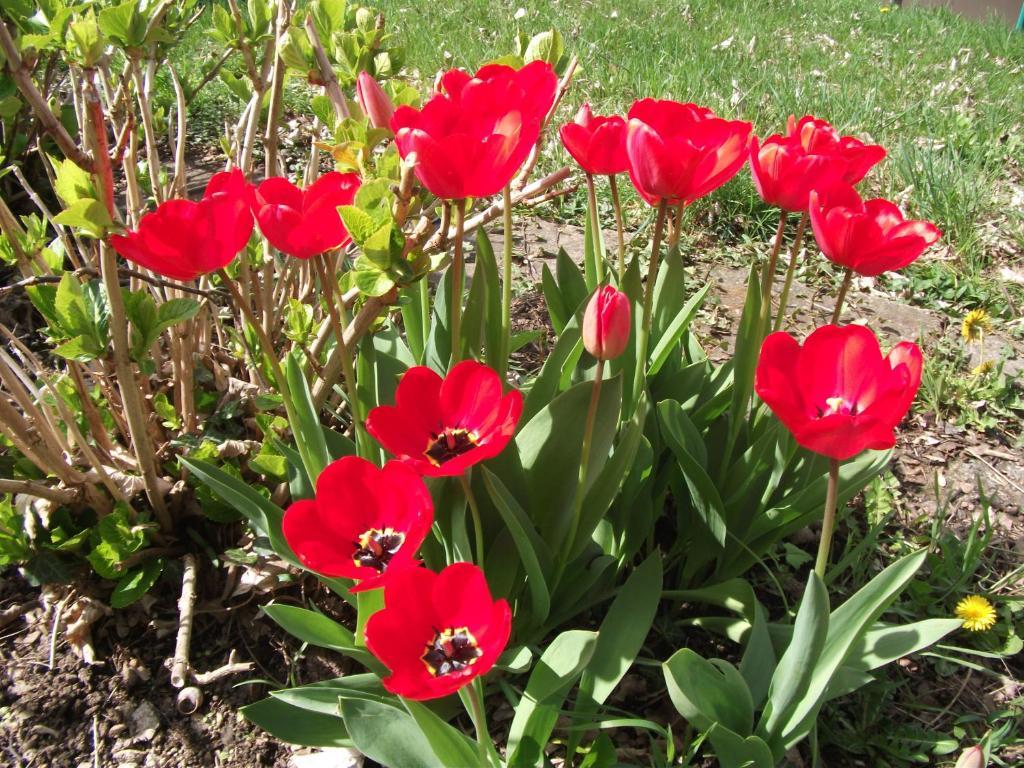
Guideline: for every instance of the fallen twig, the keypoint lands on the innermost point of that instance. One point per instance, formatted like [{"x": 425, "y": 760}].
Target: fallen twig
[{"x": 186, "y": 605}]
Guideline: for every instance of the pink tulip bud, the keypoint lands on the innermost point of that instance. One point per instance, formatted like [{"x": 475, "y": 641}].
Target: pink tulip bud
[
  {"x": 972, "y": 758},
  {"x": 606, "y": 323},
  {"x": 375, "y": 103}
]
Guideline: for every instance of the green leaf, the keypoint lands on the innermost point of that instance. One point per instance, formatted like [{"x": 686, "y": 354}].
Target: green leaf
[
  {"x": 670, "y": 339},
  {"x": 311, "y": 627},
  {"x": 622, "y": 632},
  {"x": 298, "y": 726},
  {"x": 90, "y": 217},
  {"x": 309, "y": 437},
  {"x": 546, "y": 46},
  {"x": 136, "y": 583},
  {"x": 748, "y": 348},
  {"x": 553, "y": 676},
  {"x": 734, "y": 751},
  {"x": 174, "y": 311},
  {"x": 387, "y": 734},
  {"x": 791, "y": 683},
  {"x": 708, "y": 692},
  {"x": 72, "y": 183},
  {"x": 451, "y": 746},
  {"x": 324, "y": 696},
  {"x": 533, "y": 552},
  {"x": 358, "y": 223}
]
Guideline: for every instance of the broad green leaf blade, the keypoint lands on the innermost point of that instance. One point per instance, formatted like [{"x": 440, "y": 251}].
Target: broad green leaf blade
[
  {"x": 670, "y": 339},
  {"x": 734, "y": 751},
  {"x": 262, "y": 514},
  {"x": 309, "y": 438},
  {"x": 708, "y": 692},
  {"x": 553, "y": 676},
  {"x": 311, "y": 627},
  {"x": 388, "y": 735},
  {"x": 451, "y": 746},
  {"x": 302, "y": 727},
  {"x": 323, "y": 696},
  {"x": 533, "y": 552},
  {"x": 792, "y": 679}
]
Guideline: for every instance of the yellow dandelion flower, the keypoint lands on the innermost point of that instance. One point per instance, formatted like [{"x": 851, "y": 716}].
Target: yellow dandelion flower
[
  {"x": 977, "y": 613},
  {"x": 983, "y": 368},
  {"x": 976, "y": 323},
  {"x": 885, "y": 8}
]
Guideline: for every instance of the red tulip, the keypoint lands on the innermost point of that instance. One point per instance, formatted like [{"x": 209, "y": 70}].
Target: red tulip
[
  {"x": 972, "y": 758},
  {"x": 305, "y": 222},
  {"x": 437, "y": 631},
  {"x": 365, "y": 523},
  {"x": 597, "y": 143},
  {"x": 870, "y": 237},
  {"x": 471, "y": 138},
  {"x": 606, "y": 323},
  {"x": 441, "y": 427},
  {"x": 785, "y": 172},
  {"x": 182, "y": 239},
  {"x": 680, "y": 152},
  {"x": 820, "y": 138},
  {"x": 837, "y": 394},
  {"x": 374, "y": 102}
]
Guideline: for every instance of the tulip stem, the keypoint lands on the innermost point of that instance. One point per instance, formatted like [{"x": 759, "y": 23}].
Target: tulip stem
[
  {"x": 768, "y": 278},
  {"x": 335, "y": 311},
  {"x": 841, "y": 296},
  {"x": 456, "y": 298},
  {"x": 645, "y": 325},
  {"x": 794, "y": 252},
  {"x": 474, "y": 510},
  {"x": 473, "y": 694},
  {"x": 581, "y": 482},
  {"x": 506, "y": 283},
  {"x": 595, "y": 229},
  {"x": 828, "y": 525},
  {"x": 619, "y": 229}
]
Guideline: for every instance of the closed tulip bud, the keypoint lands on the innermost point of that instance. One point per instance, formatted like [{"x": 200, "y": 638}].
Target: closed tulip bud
[
  {"x": 606, "y": 324},
  {"x": 374, "y": 102},
  {"x": 972, "y": 758}
]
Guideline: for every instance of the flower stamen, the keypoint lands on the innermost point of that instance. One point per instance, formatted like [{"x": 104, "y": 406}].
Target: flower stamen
[
  {"x": 452, "y": 650},
  {"x": 376, "y": 547},
  {"x": 451, "y": 442}
]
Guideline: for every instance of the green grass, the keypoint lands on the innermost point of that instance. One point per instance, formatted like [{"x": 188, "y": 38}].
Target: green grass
[{"x": 942, "y": 93}]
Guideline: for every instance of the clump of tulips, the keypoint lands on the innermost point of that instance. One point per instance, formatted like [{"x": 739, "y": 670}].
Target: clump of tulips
[{"x": 475, "y": 518}]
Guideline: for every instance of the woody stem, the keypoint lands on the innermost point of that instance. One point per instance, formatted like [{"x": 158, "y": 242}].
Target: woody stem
[
  {"x": 474, "y": 510},
  {"x": 828, "y": 525},
  {"x": 841, "y": 297}
]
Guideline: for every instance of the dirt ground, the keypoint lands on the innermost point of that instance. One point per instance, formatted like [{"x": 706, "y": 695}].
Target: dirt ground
[{"x": 120, "y": 710}]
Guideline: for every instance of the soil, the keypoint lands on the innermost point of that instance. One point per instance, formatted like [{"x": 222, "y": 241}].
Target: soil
[{"x": 120, "y": 710}]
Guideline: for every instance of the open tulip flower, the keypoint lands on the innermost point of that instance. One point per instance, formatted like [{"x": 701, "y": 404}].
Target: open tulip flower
[
  {"x": 365, "y": 523},
  {"x": 867, "y": 236},
  {"x": 785, "y": 171},
  {"x": 437, "y": 631},
  {"x": 305, "y": 222},
  {"x": 818, "y": 137},
  {"x": 837, "y": 394},
  {"x": 441, "y": 427},
  {"x": 680, "y": 152},
  {"x": 597, "y": 143},
  {"x": 183, "y": 239},
  {"x": 471, "y": 137}
]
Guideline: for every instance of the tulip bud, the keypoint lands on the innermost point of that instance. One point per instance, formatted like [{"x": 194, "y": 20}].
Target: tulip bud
[
  {"x": 374, "y": 102},
  {"x": 606, "y": 323},
  {"x": 972, "y": 758}
]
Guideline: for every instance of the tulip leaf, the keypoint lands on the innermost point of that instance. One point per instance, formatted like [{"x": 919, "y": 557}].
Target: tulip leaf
[
  {"x": 708, "y": 692},
  {"x": 758, "y": 663},
  {"x": 311, "y": 627},
  {"x": 309, "y": 437},
  {"x": 298, "y": 726},
  {"x": 323, "y": 696},
  {"x": 388, "y": 735},
  {"x": 450, "y": 745},
  {"x": 487, "y": 275},
  {"x": 552, "y": 677},
  {"x": 549, "y": 450},
  {"x": 571, "y": 283},
  {"x": 733, "y": 750},
  {"x": 264, "y": 516},
  {"x": 792, "y": 681},
  {"x": 749, "y": 336},
  {"x": 670, "y": 338},
  {"x": 533, "y": 552},
  {"x": 566, "y": 352},
  {"x": 557, "y": 311}
]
